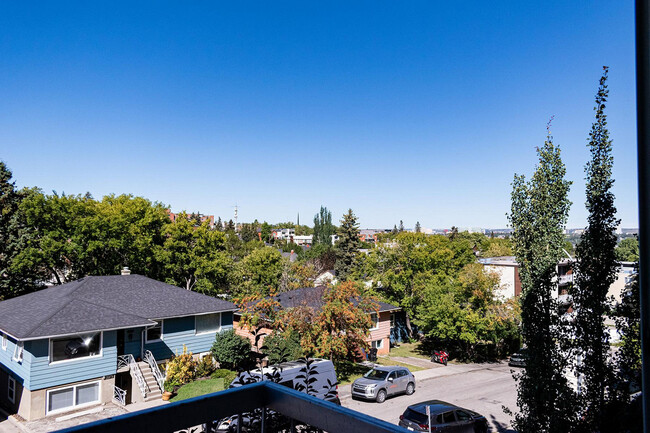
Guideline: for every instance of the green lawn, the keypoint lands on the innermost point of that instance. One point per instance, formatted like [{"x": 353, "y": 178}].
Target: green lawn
[
  {"x": 199, "y": 387},
  {"x": 387, "y": 361},
  {"x": 411, "y": 349}
]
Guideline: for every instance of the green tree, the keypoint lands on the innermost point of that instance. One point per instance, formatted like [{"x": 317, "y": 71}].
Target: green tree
[
  {"x": 596, "y": 270},
  {"x": 258, "y": 273},
  {"x": 628, "y": 250},
  {"x": 348, "y": 245},
  {"x": 231, "y": 351},
  {"x": 323, "y": 227},
  {"x": 282, "y": 347},
  {"x": 418, "y": 229},
  {"x": 266, "y": 232},
  {"x": 14, "y": 236},
  {"x": 628, "y": 323},
  {"x": 401, "y": 226},
  {"x": 195, "y": 257},
  {"x": 539, "y": 213}
]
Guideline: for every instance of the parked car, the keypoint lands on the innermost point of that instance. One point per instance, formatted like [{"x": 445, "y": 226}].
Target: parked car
[
  {"x": 380, "y": 382},
  {"x": 445, "y": 417},
  {"x": 518, "y": 359},
  {"x": 321, "y": 383}
]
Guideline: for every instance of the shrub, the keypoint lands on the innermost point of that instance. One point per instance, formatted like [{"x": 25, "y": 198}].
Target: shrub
[
  {"x": 227, "y": 375},
  {"x": 280, "y": 348},
  {"x": 181, "y": 369},
  {"x": 205, "y": 367},
  {"x": 231, "y": 350}
]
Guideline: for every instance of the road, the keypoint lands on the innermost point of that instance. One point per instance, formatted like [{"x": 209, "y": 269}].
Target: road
[{"x": 483, "y": 388}]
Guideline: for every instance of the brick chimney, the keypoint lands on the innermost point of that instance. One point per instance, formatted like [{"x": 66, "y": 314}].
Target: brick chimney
[{"x": 126, "y": 271}]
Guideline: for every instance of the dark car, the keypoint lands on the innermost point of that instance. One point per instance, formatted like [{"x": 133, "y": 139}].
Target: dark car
[
  {"x": 445, "y": 417},
  {"x": 518, "y": 359}
]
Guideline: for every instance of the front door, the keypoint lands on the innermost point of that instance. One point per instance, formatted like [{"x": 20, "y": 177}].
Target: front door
[{"x": 120, "y": 342}]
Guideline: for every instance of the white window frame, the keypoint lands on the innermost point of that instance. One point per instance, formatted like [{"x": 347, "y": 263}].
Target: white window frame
[
  {"x": 4, "y": 342},
  {"x": 162, "y": 332},
  {"x": 74, "y": 397},
  {"x": 375, "y": 323},
  {"x": 19, "y": 349},
  {"x": 377, "y": 344},
  {"x": 392, "y": 320},
  {"x": 81, "y": 358},
  {"x": 11, "y": 389},
  {"x": 208, "y": 332}
]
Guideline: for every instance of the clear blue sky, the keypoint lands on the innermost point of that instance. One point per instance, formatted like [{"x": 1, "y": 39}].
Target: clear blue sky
[{"x": 420, "y": 111}]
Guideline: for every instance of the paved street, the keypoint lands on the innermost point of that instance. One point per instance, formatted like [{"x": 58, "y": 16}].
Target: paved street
[{"x": 484, "y": 388}]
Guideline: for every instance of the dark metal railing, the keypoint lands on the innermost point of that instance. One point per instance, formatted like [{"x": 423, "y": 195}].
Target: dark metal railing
[{"x": 267, "y": 395}]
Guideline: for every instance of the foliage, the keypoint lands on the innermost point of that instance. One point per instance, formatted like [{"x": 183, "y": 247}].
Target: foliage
[
  {"x": 628, "y": 250},
  {"x": 348, "y": 245},
  {"x": 399, "y": 270},
  {"x": 539, "y": 213},
  {"x": 195, "y": 257},
  {"x": 258, "y": 273},
  {"x": 418, "y": 228},
  {"x": 14, "y": 236},
  {"x": 496, "y": 248},
  {"x": 227, "y": 375},
  {"x": 464, "y": 315},
  {"x": 280, "y": 347},
  {"x": 336, "y": 330},
  {"x": 596, "y": 269},
  {"x": 180, "y": 368},
  {"x": 323, "y": 227},
  {"x": 205, "y": 367},
  {"x": 322, "y": 257},
  {"x": 296, "y": 275},
  {"x": 231, "y": 350}
]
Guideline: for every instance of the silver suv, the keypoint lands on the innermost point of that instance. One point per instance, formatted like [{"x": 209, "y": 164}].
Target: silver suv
[{"x": 380, "y": 382}]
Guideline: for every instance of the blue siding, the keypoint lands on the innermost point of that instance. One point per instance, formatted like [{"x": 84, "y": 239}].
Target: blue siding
[
  {"x": 45, "y": 375},
  {"x": 19, "y": 370},
  {"x": 181, "y": 331},
  {"x": 133, "y": 341}
]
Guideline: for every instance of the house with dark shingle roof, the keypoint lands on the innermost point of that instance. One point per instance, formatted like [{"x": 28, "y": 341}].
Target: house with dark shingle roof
[
  {"x": 99, "y": 339},
  {"x": 312, "y": 297}
]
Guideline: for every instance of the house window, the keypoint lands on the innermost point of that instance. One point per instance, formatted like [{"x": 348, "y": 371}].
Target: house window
[
  {"x": 11, "y": 390},
  {"x": 392, "y": 320},
  {"x": 4, "y": 342},
  {"x": 154, "y": 333},
  {"x": 207, "y": 323},
  {"x": 377, "y": 344},
  {"x": 79, "y": 346},
  {"x": 18, "y": 352},
  {"x": 61, "y": 399},
  {"x": 374, "y": 317}
]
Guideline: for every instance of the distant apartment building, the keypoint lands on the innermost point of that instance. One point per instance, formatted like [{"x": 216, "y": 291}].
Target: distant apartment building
[
  {"x": 507, "y": 268},
  {"x": 305, "y": 240},
  {"x": 283, "y": 234},
  {"x": 200, "y": 218}
]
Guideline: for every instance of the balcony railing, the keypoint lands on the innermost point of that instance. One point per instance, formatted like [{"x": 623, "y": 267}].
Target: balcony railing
[{"x": 263, "y": 395}]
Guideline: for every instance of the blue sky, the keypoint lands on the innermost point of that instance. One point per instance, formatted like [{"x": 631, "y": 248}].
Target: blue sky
[{"x": 419, "y": 111}]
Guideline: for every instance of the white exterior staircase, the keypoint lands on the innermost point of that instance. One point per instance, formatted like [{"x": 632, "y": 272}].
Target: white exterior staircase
[{"x": 154, "y": 392}]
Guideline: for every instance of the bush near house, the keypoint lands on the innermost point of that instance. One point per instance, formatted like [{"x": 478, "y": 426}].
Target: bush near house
[
  {"x": 280, "y": 347},
  {"x": 181, "y": 369},
  {"x": 231, "y": 350},
  {"x": 205, "y": 367}
]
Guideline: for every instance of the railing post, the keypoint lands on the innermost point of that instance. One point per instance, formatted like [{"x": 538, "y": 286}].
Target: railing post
[{"x": 263, "y": 426}]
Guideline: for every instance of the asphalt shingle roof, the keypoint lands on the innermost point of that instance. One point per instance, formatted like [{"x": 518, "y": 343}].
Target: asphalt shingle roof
[{"x": 96, "y": 303}]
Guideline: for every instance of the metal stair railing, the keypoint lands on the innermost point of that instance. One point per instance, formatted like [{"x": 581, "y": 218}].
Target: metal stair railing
[
  {"x": 129, "y": 361},
  {"x": 153, "y": 365},
  {"x": 119, "y": 395}
]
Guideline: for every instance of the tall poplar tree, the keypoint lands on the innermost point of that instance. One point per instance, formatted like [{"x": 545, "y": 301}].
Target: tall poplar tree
[
  {"x": 595, "y": 272},
  {"x": 348, "y": 245},
  {"x": 539, "y": 213},
  {"x": 323, "y": 228}
]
